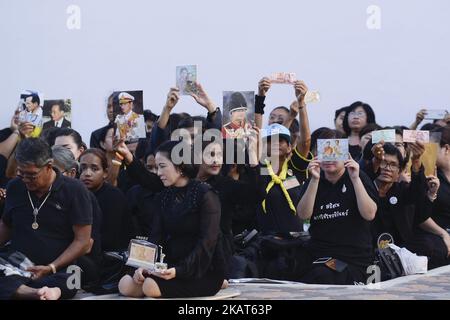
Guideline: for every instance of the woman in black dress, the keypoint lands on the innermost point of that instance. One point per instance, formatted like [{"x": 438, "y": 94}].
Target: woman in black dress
[{"x": 186, "y": 225}]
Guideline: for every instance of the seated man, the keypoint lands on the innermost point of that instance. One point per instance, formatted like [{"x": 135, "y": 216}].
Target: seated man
[
  {"x": 405, "y": 209},
  {"x": 44, "y": 221},
  {"x": 340, "y": 202}
]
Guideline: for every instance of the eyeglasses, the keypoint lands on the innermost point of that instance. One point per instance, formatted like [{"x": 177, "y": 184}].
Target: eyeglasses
[
  {"x": 358, "y": 114},
  {"x": 400, "y": 145},
  {"x": 28, "y": 176},
  {"x": 389, "y": 165}
]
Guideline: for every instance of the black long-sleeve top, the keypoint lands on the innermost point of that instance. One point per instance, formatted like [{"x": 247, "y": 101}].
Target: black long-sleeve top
[
  {"x": 116, "y": 221},
  {"x": 141, "y": 206},
  {"x": 279, "y": 218},
  {"x": 187, "y": 225},
  {"x": 231, "y": 193},
  {"x": 186, "y": 222},
  {"x": 441, "y": 206},
  {"x": 403, "y": 208}
]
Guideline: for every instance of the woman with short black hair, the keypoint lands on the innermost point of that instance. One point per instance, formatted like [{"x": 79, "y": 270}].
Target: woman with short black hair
[
  {"x": 358, "y": 115},
  {"x": 186, "y": 224},
  {"x": 116, "y": 222}
]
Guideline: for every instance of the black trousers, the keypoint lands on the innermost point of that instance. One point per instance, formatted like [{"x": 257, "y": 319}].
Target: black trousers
[
  {"x": 10, "y": 284},
  {"x": 302, "y": 269},
  {"x": 430, "y": 245},
  {"x": 89, "y": 275}
]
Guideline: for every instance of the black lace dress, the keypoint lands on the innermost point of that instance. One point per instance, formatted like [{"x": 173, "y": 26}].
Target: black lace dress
[{"x": 187, "y": 225}]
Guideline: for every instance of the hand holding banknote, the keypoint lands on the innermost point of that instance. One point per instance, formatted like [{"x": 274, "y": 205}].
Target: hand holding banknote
[
  {"x": 263, "y": 86},
  {"x": 283, "y": 78},
  {"x": 300, "y": 92}
]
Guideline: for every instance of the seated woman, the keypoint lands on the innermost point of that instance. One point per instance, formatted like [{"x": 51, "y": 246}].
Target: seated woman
[
  {"x": 116, "y": 223},
  {"x": 340, "y": 202},
  {"x": 231, "y": 192},
  {"x": 187, "y": 225}
]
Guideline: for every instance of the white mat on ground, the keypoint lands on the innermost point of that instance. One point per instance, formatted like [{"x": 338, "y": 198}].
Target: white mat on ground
[
  {"x": 381, "y": 285},
  {"x": 221, "y": 295}
]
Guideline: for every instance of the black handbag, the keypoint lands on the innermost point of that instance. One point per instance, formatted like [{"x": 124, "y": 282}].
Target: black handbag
[{"x": 389, "y": 262}]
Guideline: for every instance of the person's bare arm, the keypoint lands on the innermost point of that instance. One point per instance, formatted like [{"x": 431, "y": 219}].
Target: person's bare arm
[
  {"x": 11, "y": 167},
  {"x": 263, "y": 88},
  {"x": 430, "y": 226},
  {"x": 80, "y": 246},
  {"x": 378, "y": 155},
  {"x": 172, "y": 98},
  {"x": 306, "y": 205},
  {"x": 113, "y": 168},
  {"x": 366, "y": 206},
  {"x": 419, "y": 118},
  {"x": 417, "y": 150},
  {"x": 112, "y": 158},
  {"x": 7, "y": 146},
  {"x": 293, "y": 113},
  {"x": 304, "y": 142},
  {"x": 258, "y": 120}
]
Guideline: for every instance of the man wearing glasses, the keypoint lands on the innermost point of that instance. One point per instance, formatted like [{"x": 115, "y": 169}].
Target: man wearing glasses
[
  {"x": 48, "y": 218},
  {"x": 404, "y": 209}
]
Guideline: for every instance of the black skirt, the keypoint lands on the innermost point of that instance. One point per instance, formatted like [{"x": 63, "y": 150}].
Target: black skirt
[{"x": 208, "y": 285}]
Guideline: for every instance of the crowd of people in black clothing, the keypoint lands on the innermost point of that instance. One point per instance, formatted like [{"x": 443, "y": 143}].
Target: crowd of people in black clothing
[{"x": 64, "y": 204}]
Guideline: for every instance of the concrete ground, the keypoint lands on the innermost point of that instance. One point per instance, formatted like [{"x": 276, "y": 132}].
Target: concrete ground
[
  {"x": 434, "y": 285},
  {"x": 430, "y": 286}
]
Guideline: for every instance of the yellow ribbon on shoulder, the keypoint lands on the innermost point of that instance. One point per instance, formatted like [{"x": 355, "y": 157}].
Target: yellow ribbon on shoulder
[{"x": 278, "y": 180}]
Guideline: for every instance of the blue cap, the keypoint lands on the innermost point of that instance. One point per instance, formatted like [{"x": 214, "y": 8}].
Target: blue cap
[{"x": 276, "y": 129}]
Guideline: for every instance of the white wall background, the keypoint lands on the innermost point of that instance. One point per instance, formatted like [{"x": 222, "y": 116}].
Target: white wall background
[{"x": 136, "y": 44}]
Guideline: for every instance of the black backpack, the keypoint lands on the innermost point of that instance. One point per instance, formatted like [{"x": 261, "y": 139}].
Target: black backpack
[{"x": 389, "y": 263}]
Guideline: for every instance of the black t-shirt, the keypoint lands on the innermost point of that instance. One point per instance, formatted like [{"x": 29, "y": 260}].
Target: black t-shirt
[
  {"x": 69, "y": 204},
  {"x": 116, "y": 222},
  {"x": 402, "y": 209},
  {"x": 279, "y": 218},
  {"x": 355, "y": 152},
  {"x": 441, "y": 206},
  {"x": 337, "y": 228}
]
